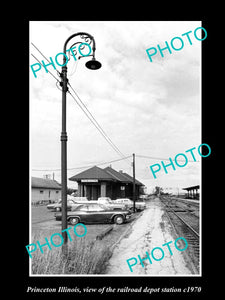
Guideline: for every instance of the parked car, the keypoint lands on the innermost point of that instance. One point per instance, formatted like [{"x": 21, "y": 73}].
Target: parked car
[
  {"x": 139, "y": 204},
  {"x": 72, "y": 203},
  {"x": 58, "y": 206},
  {"x": 52, "y": 206},
  {"x": 106, "y": 201},
  {"x": 95, "y": 213},
  {"x": 79, "y": 199}
]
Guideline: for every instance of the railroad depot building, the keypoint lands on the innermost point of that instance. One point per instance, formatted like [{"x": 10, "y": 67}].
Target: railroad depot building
[
  {"x": 44, "y": 190},
  {"x": 96, "y": 182}
]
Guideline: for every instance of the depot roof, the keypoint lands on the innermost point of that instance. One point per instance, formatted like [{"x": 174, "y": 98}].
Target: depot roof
[
  {"x": 106, "y": 174},
  {"x": 92, "y": 173},
  {"x": 191, "y": 188}
]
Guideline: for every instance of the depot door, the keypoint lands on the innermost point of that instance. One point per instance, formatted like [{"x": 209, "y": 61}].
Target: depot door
[{"x": 93, "y": 192}]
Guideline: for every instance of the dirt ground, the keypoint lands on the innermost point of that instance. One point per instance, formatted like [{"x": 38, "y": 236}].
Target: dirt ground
[{"x": 151, "y": 230}]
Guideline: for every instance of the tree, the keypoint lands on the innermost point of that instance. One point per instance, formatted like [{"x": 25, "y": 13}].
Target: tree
[{"x": 158, "y": 190}]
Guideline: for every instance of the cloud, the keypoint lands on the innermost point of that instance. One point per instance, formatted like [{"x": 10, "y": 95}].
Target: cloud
[{"x": 146, "y": 108}]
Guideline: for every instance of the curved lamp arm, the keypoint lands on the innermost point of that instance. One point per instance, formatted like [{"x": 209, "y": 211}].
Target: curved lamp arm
[{"x": 80, "y": 33}]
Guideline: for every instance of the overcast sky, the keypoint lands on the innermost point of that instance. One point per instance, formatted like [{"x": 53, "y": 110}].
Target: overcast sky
[{"x": 147, "y": 108}]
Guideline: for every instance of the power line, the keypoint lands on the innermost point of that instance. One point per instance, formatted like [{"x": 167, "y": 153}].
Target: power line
[
  {"x": 43, "y": 56},
  {"x": 85, "y": 110},
  {"x": 160, "y": 158},
  {"x": 104, "y": 163},
  {"x": 95, "y": 123},
  {"x": 92, "y": 119},
  {"x": 83, "y": 167},
  {"x": 108, "y": 140},
  {"x": 42, "y": 66}
]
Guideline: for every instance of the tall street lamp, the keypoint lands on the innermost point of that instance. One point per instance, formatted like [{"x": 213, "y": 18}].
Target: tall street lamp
[{"x": 92, "y": 65}]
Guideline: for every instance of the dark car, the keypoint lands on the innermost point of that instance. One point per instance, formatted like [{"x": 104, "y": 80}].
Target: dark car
[{"x": 95, "y": 213}]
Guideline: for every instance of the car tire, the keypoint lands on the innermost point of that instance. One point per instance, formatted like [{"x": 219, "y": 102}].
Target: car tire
[
  {"x": 118, "y": 219},
  {"x": 73, "y": 220}
]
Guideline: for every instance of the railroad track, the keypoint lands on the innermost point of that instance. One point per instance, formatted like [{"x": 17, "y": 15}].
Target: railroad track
[{"x": 185, "y": 224}]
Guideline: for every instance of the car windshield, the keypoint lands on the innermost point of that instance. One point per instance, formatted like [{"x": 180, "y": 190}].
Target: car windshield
[{"x": 123, "y": 200}]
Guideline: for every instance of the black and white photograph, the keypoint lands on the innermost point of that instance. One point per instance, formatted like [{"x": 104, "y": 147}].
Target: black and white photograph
[
  {"x": 116, "y": 150},
  {"x": 132, "y": 159}
]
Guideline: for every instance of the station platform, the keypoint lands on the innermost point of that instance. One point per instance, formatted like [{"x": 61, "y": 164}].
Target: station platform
[{"x": 152, "y": 229}]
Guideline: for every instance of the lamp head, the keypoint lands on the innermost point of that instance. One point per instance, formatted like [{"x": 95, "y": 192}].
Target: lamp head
[{"x": 93, "y": 64}]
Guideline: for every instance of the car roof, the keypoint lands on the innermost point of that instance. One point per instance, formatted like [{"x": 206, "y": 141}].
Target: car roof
[{"x": 106, "y": 208}]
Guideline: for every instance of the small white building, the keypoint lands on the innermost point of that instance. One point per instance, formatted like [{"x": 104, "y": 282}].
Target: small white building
[{"x": 44, "y": 190}]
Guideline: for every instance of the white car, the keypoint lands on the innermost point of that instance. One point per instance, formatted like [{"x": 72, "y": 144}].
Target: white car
[
  {"x": 72, "y": 203},
  {"x": 107, "y": 202},
  {"x": 139, "y": 205},
  {"x": 104, "y": 200},
  {"x": 80, "y": 199},
  {"x": 58, "y": 206}
]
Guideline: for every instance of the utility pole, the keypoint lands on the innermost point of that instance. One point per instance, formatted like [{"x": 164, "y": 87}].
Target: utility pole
[{"x": 134, "y": 190}]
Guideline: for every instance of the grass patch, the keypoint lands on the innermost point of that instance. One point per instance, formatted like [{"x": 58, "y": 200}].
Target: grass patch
[{"x": 84, "y": 257}]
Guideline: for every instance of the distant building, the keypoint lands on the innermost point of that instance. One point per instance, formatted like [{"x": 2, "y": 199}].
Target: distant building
[
  {"x": 192, "y": 191},
  {"x": 96, "y": 182},
  {"x": 44, "y": 190}
]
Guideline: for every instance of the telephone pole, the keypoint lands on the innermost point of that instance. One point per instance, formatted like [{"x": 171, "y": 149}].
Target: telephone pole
[{"x": 134, "y": 189}]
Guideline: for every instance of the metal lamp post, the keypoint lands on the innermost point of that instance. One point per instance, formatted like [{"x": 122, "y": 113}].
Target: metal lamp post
[
  {"x": 92, "y": 65},
  {"x": 134, "y": 188}
]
